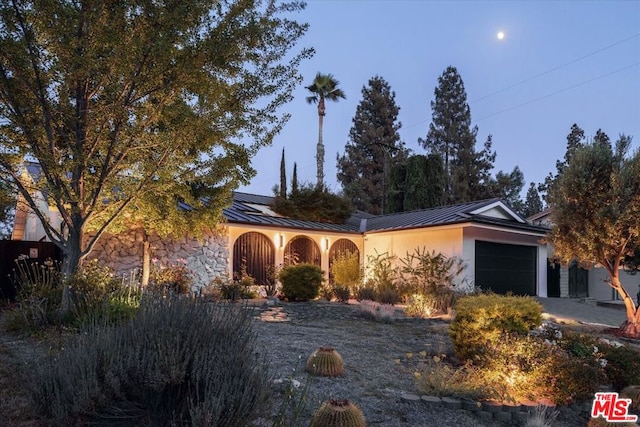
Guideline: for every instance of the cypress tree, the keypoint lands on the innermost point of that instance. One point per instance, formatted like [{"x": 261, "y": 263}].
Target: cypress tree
[
  {"x": 283, "y": 177},
  {"x": 294, "y": 179}
]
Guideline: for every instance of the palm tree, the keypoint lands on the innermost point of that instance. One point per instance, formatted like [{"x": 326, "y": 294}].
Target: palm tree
[{"x": 324, "y": 86}]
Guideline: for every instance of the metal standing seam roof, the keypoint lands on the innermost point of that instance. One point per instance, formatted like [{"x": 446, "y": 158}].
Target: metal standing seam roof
[{"x": 360, "y": 222}]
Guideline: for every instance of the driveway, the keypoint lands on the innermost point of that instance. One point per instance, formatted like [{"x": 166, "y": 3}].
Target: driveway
[{"x": 565, "y": 309}]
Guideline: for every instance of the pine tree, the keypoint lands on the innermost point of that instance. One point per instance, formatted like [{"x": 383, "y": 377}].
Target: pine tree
[
  {"x": 396, "y": 188},
  {"x": 373, "y": 148},
  {"x": 533, "y": 203},
  {"x": 424, "y": 184},
  {"x": 452, "y": 137}
]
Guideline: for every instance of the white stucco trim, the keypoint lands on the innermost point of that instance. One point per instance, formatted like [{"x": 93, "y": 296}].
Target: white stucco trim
[{"x": 497, "y": 204}]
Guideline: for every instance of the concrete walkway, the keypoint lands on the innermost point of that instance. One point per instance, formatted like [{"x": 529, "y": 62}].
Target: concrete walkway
[{"x": 567, "y": 309}]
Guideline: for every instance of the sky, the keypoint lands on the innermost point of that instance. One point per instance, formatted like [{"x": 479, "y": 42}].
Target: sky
[{"x": 559, "y": 63}]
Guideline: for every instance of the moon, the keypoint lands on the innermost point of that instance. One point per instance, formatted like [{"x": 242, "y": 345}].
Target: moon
[{"x": 500, "y": 35}]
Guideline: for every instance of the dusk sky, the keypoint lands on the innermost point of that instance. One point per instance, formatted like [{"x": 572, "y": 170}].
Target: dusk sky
[{"x": 577, "y": 62}]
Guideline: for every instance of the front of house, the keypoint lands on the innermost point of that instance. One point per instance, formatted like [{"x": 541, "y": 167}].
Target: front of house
[{"x": 501, "y": 250}]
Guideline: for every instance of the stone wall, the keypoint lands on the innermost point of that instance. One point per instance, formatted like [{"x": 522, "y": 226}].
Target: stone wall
[{"x": 207, "y": 257}]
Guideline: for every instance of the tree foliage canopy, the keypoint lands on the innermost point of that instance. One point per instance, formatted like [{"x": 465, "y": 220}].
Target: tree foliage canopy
[
  {"x": 595, "y": 203},
  {"x": 467, "y": 171},
  {"x": 312, "y": 203},
  {"x": 122, "y": 101},
  {"x": 373, "y": 148}
]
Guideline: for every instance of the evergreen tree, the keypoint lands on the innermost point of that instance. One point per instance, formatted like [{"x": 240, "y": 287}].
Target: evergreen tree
[
  {"x": 533, "y": 202},
  {"x": 452, "y": 137},
  {"x": 507, "y": 186},
  {"x": 294, "y": 179},
  {"x": 373, "y": 148},
  {"x": 424, "y": 182},
  {"x": 283, "y": 177},
  {"x": 575, "y": 141},
  {"x": 396, "y": 188}
]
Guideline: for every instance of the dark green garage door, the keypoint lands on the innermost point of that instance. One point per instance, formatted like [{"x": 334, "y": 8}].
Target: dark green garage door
[{"x": 503, "y": 268}]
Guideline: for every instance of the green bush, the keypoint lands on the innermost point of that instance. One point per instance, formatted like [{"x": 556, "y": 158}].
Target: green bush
[
  {"x": 622, "y": 366},
  {"x": 174, "y": 279},
  {"x": 346, "y": 270},
  {"x": 366, "y": 292},
  {"x": 313, "y": 203},
  {"x": 484, "y": 318},
  {"x": 179, "y": 362},
  {"x": 301, "y": 282},
  {"x": 342, "y": 293}
]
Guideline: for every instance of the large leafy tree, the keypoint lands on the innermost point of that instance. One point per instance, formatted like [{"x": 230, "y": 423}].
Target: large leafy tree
[
  {"x": 323, "y": 88},
  {"x": 508, "y": 186},
  {"x": 452, "y": 137},
  {"x": 595, "y": 204},
  {"x": 374, "y": 146},
  {"x": 137, "y": 103}
]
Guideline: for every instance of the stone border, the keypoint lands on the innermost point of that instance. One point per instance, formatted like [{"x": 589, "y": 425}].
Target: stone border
[{"x": 492, "y": 411}]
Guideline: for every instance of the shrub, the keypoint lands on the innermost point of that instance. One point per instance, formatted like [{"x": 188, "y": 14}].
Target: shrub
[
  {"x": 313, "y": 203},
  {"x": 622, "y": 366},
  {"x": 301, "y": 282},
  {"x": 425, "y": 271},
  {"x": 389, "y": 295},
  {"x": 573, "y": 379},
  {"x": 376, "y": 311},
  {"x": 632, "y": 392},
  {"x": 366, "y": 292},
  {"x": 438, "y": 378},
  {"x": 482, "y": 319},
  {"x": 342, "y": 293},
  {"x": 346, "y": 270},
  {"x": 172, "y": 279},
  {"x": 178, "y": 362}
]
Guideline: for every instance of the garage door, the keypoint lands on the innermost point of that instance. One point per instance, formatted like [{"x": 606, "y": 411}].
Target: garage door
[{"x": 506, "y": 268}]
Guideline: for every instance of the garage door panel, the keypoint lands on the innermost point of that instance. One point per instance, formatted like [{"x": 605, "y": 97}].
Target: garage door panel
[{"x": 506, "y": 268}]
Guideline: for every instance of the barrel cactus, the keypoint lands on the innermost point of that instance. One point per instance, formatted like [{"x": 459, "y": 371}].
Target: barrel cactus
[
  {"x": 325, "y": 362},
  {"x": 338, "y": 413}
]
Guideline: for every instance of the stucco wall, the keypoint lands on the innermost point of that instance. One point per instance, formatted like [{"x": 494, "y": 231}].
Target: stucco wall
[
  {"x": 447, "y": 240},
  {"x": 207, "y": 257},
  {"x": 599, "y": 290}
]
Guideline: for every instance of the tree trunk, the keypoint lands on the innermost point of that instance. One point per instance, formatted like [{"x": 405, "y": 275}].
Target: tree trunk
[
  {"x": 146, "y": 260},
  {"x": 631, "y": 326},
  {"x": 320, "y": 146},
  {"x": 71, "y": 263}
]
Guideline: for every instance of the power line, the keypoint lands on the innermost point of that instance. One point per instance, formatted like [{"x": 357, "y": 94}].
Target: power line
[
  {"x": 544, "y": 73},
  {"x": 559, "y": 91}
]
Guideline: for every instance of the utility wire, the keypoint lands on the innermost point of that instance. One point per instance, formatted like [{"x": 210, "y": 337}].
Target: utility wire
[
  {"x": 544, "y": 73},
  {"x": 559, "y": 91}
]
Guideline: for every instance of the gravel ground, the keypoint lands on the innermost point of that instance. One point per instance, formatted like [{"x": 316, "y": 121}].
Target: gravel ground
[{"x": 379, "y": 358}]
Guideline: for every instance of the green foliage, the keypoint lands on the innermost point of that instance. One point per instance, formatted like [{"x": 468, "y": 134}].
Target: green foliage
[
  {"x": 366, "y": 292},
  {"x": 424, "y": 182},
  {"x": 346, "y": 269},
  {"x": 622, "y": 365},
  {"x": 483, "y": 319},
  {"x": 450, "y": 135},
  {"x": 325, "y": 362},
  {"x": 170, "y": 278},
  {"x": 424, "y": 271},
  {"x": 374, "y": 146},
  {"x": 438, "y": 378},
  {"x": 313, "y": 203},
  {"x": 178, "y": 86},
  {"x": 338, "y": 413},
  {"x": 342, "y": 293},
  {"x": 396, "y": 188},
  {"x": 533, "y": 203},
  {"x": 595, "y": 203},
  {"x": 179, "y": 361},
  {"x": 508, "y": 186},
  {"x": 301, "y": 282}
]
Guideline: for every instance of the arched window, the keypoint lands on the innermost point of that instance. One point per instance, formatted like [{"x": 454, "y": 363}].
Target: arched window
[
  {"x": 301, "y": 249},
  {"x": 256, "y": 251}
]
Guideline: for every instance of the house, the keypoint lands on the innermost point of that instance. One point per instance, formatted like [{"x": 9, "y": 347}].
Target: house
[
  {"x": 573, "y": 281},
  {"x": 502, "y": 251}
]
